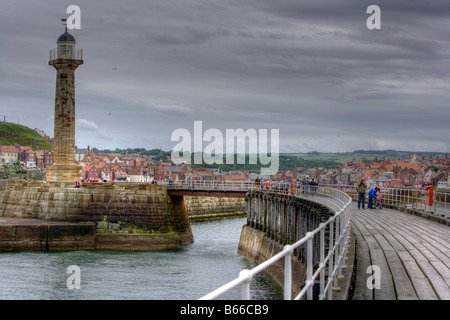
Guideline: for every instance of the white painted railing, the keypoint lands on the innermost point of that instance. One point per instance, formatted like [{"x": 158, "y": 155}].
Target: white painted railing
[
  {"x": 333, "y": 260},
  {"x": 212, "y": 185},
  {"x": 398, "y": 197},
  {"x": 411, "y": 198},
  {"x": 338, "y": 198}
]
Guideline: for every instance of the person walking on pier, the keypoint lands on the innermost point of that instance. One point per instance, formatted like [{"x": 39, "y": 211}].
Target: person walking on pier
[
  {"x": 313, "y": 186},
  {"x": 305, "y": 186},
  {"x": 362, "y": 194}
]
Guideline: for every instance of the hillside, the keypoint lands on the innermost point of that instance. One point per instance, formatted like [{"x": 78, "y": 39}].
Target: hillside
[
  {"x": 11, "y": 133},
  {"x": 362, "y": 154},
  {"x": 287, "y": 161}
]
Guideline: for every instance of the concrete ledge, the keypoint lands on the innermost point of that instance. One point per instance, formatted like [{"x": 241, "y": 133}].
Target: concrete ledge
[
  {"x": 42, "y": 235},
  {"x": 34, "y": 234},
  {"x": 216, "y": 216},
  {"x": 138, "y": 242}
]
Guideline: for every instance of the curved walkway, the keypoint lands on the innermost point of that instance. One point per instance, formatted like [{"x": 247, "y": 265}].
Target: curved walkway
[{"x": 412, "y": 254}]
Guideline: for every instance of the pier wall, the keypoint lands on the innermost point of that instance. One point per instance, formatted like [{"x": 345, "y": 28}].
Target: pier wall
[
  {"x": 274, "y": 220},
  {"x": 198, "y": 206},
  {"x": 126, "y": 215}
]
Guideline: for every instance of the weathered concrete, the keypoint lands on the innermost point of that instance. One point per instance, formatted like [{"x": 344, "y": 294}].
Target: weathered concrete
[
  {"x": 34, "y": 234},
  {"x": 201, "y": 205},
  {"x": 257, "y": 247},
  {"x": 208, "y": 193},
  {"x": 126, "y": 215}
]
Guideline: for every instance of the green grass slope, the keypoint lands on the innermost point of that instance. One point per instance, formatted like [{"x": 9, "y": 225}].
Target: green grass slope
[{"x": 11, "y": 133}]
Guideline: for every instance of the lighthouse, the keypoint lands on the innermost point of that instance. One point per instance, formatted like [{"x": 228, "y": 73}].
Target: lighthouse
[{"x": 65, "y": 59}]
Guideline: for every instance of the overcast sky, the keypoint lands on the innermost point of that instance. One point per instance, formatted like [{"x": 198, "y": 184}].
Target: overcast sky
[{"x": 311, "y": 69}]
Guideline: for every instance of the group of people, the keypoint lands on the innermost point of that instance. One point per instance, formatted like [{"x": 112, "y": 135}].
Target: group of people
[
  {"x": 373, "y": 194},
  {"x": 191, "y": 182},
  {"x": 272, "y": 185},
  {"x": 309, "y": 187}
]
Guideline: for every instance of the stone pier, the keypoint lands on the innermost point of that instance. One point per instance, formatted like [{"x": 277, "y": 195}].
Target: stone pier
[
  {"x": 274, "y": 220},
  {"x": 129, "y": 216}
]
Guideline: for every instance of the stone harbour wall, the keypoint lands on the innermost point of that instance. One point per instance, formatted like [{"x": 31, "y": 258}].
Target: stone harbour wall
[
  {"x": 38, "y": 235},
  {"x": 126, "y": 215},
  {"x": 200, "y": 205}
]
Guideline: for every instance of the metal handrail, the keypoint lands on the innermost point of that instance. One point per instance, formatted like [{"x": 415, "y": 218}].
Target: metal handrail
[
  {"x": 398, "y": 197},
  {"x": 77, "y": 55},
  {"x": 337, "y": 197},
  {"x": 212, "y": 185},
  {"x": 409, "y": 198},
  {"x": 339, "y": 227}
]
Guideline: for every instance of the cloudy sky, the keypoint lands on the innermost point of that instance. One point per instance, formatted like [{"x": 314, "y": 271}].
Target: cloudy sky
[{"x": 311, "y": 69}]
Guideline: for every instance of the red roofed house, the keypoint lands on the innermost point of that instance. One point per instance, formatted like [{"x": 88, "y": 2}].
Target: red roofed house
[
  {"x": 120, "y": 176},
  {"x": 92, "y": 173},
  {"x": 159, "y": 172},
  {"x": 10, "y": 154},
  {"x": 44, "y": 158},
  {"x": 27, "y": 156}
]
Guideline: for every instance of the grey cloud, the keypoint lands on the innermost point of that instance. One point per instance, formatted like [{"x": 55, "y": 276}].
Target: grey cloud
[{"x": 309, "y": 68}]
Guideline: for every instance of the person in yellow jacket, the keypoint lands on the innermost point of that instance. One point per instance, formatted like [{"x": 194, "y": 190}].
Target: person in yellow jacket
[{"x": 361, "y": 194}]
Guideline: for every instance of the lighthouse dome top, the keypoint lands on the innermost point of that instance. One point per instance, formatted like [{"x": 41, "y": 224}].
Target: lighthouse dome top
[{"x": 66, "y": 36}]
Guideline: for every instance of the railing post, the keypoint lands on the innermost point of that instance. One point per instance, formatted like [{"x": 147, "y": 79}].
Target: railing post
[
  {"x": 322, "y": 258},
  {"x": 434, "y": 203},
  {"x": 343, "y": 243},
  {"x": 342, "y": 247},
  {"x": 336, "y": 251},
  {"x": 330, "y": 263},
  {"x": 396, "y": 197},
  {"x": 288, "y": 273},
  {"x": 246, "y": 284},
  {"x": 309, "y": 266}
]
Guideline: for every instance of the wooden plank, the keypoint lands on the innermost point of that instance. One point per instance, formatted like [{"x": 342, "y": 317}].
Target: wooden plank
[
  {"x": 427, "y": 231},
  {"x": 386, "y": 291},
  {"x": 443, "y": 271},
  {"x": 403, "y": 286},
  {"x": 404, "y": 289},
  {"x": 414, "y": 249},
  {"x": 361, "y": 292},
  {"x": 441, "y": 288},
  {"x": 421, "y": 284},
  {"x": 437, "y": 282}
]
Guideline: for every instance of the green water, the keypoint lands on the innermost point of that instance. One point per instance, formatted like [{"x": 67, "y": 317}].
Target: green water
[{"x": 185, "y": 273}]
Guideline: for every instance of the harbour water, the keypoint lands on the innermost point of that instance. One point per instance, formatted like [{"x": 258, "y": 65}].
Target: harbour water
[{"x": 185, "y": 273}]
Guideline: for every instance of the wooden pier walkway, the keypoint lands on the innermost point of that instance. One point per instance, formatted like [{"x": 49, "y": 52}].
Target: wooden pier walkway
[{"x": 412, "y": 253}]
